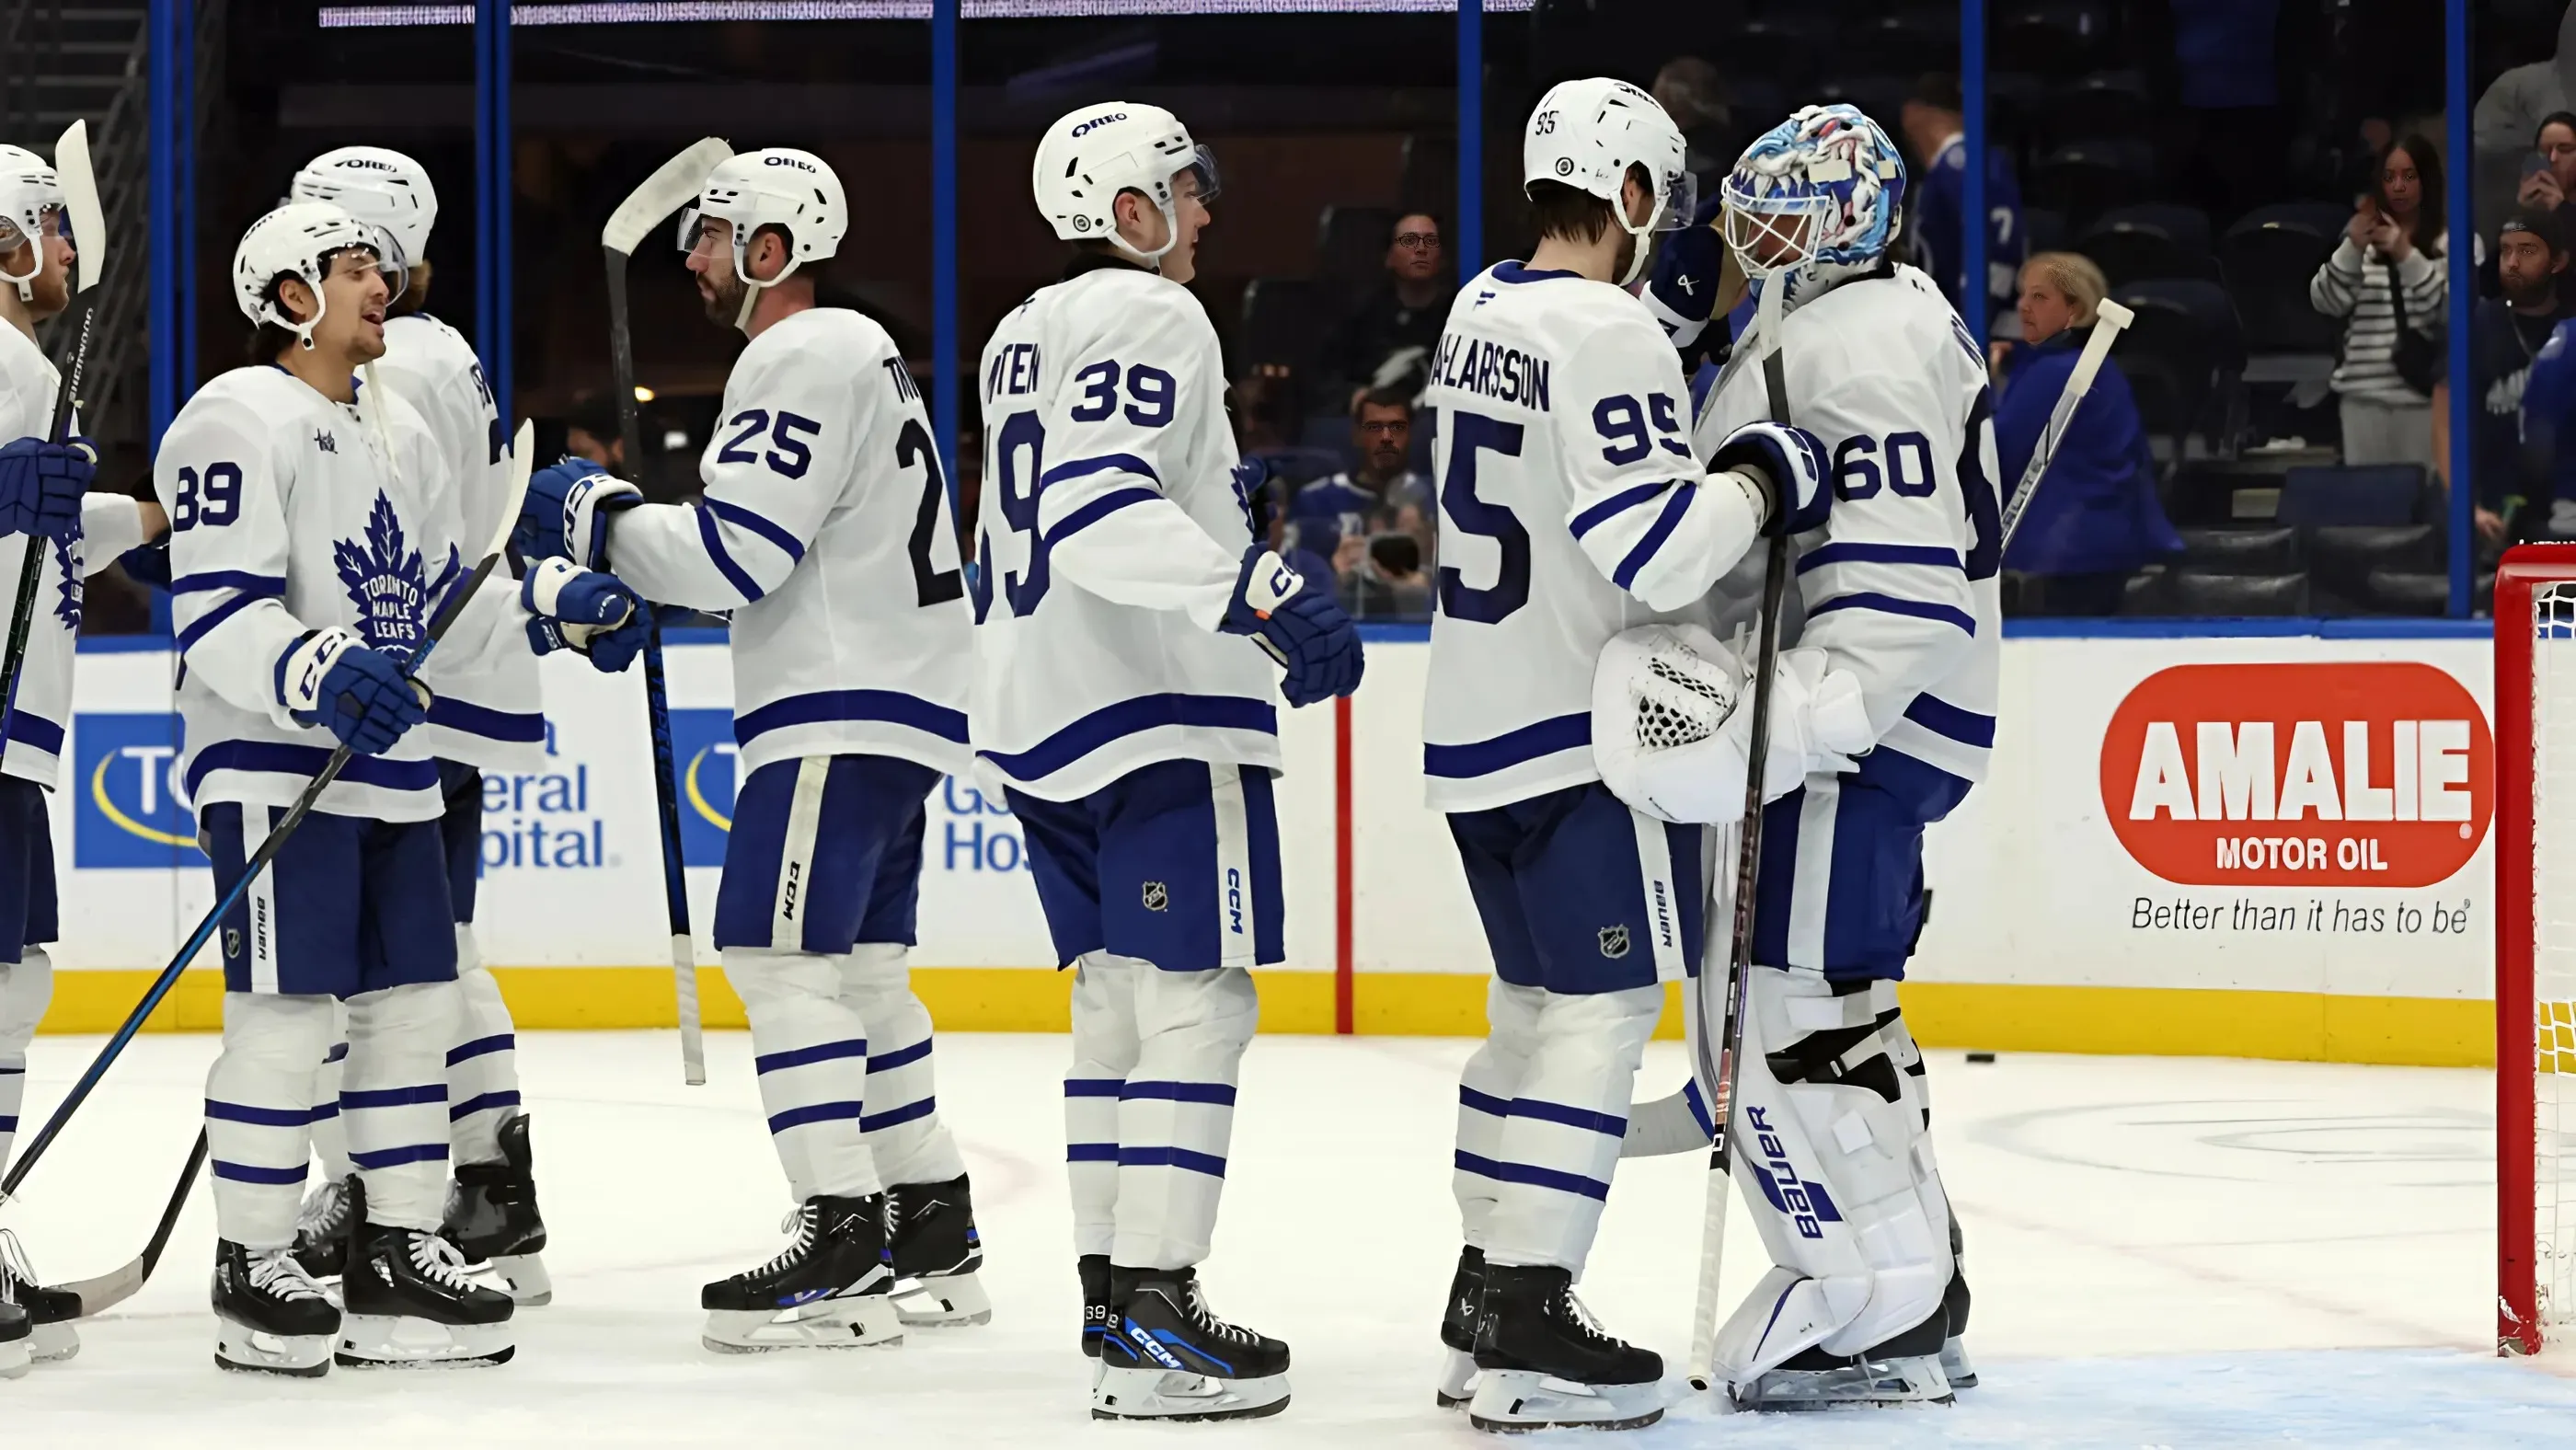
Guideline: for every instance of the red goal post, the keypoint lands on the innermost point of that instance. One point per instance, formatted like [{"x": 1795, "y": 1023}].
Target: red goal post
[{"x": 2535, "y": 985}]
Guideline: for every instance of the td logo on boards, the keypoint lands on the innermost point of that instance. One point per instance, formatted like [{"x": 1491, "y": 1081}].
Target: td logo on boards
[{"x": 2368, "y": 773}]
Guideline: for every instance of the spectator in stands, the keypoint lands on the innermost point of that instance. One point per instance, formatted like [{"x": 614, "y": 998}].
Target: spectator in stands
[
  {"x": 591, "y": 433},
  {"x": 1389, "y": 337},
  {"x": 1382, "y": 494},
  {"x": 2390, "y": 259},
  {"x": 2515, "y": 103},
  {"x": 2510, "y": 331},
  {"x": 1382, "y": 578},
  {"x": 2095, "y": 519},
  {"x": 1694, "y": 95},
  {"x": 2551, "y": 176},
  {"x": 2216, "y": 64},
  {"x": 1936, "y": 133}
]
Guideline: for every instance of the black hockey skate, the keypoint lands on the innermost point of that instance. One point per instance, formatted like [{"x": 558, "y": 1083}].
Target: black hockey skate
[
  {"x": 409, "y": 1298},
  {"x": 831, "y": 1288},
  {"x": 1166, "y": 1356},
  {"x": 1458, "y": 1330},
  {"x": 50, "y": 1312},
  {"x": 1094, "y": 1272},
  {"x": 492, "y": 1217},
  {"x": 930, "y": 1235},
  {"x": 1543, "y": 1362},
  {"x": 322, "y": 1229},
  {"x": 270, "y": 1315},
  {"x": 15, "y": 1331}
]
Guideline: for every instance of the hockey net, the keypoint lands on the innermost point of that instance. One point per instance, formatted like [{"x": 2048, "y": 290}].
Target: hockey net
[{"x": 2535, "y": 714}]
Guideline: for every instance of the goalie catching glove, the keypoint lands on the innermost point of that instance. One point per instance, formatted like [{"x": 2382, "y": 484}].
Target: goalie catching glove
[{"x": 1672, "y": 723}]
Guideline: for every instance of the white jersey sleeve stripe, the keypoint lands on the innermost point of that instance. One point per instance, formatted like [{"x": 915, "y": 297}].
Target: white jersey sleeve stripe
[
  {"x": 1105, "y": 463},
  {"x": 1593, "y": 517},
  {"x": 245, "y": 596},
  {"x": 1858, "y": 553},
  {"x": 734, "y": 513},
  {"x": 711, "y": 533},
  {"x": 1889, "y": 604},
  {"x": 509, "y": 726},
  {"x": 1943, "y": 718},
  {"x": 1096, "y": 510},
  {"x": 1656, "y": 533}
]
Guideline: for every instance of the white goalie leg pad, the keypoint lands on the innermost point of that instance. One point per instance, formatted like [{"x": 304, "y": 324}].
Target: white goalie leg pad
[
  {"x": 483, "y": 1066},
  {"x": 393, "y": 1099},
  {"x": 904, "y": 1132},
  {"x": 811, "y": 1052},
  {"x": 1831, "y": 1163},
  {"x": 26, "y": 988},
  {"x": 330, "y": 1140},
  {"x": 259, "y": 1107},
  {"x": 1104, "y": 1052},
  {"x": 1561, "y": 1131},
  {"x": 1176, "y": 1112}
]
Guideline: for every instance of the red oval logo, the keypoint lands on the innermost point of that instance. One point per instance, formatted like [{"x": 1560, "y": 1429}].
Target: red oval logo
[{"x": 2370, "y": 773}]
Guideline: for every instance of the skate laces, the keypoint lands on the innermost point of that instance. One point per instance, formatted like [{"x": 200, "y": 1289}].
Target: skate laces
[
  {"x": 801, "y": 1221},
  {"x": 15, "y": 1267},
  {"x": 440, "y": 1262},
  {"x": 325, "y": 1212},
  {"x": 1205, "y": 1313},
  {"x": 1580, "y": 1315},
  {"x": 277, "y": 1274}
]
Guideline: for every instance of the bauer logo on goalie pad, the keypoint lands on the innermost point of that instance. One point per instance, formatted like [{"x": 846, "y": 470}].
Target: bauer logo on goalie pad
[
  {"x": 1802, "y": 1202},
  {"x": 1614, "y": 942}
]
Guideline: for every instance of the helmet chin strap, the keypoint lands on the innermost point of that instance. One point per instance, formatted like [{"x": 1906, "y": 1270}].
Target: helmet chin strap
[
  {"x": 1645, "y": 239},
  {"x": 751, "y": 289},
  {"x": 1154, "y": 258}
]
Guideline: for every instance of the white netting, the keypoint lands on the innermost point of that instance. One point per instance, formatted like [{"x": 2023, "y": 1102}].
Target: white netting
[
  {"x": 1685, "y": 701},
  {"x": 2553, "y": 965}
]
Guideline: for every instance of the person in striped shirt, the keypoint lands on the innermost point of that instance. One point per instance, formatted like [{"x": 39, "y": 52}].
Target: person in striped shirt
[{"x": 2391, "y": 257}]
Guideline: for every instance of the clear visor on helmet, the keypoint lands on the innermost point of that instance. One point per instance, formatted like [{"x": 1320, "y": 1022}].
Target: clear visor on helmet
[
  {"x": 1772, "y": 234},
  {"x": 1681, "y": 200},
  {"x": 363, "y": 256},
  {"x": 693, "y": 225},
  {"x": 1202, "y": 170},
  {"x": 51, "y": 218}
]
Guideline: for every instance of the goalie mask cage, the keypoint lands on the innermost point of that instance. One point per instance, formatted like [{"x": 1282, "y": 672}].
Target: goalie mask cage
[{"x": 2535, "y": 936}]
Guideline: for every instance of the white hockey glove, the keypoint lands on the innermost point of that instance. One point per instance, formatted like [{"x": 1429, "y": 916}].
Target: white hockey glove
[{"x": 1672, "y": 723}]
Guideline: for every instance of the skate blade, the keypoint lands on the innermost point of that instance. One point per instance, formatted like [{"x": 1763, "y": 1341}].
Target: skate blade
[
  {"x": 946, "y": 1302},
  {"x": 385, "y": 1341},
  {"x": 1955, "y": 1364},
  {"x": 524, "y": 1278},
  {"x": 861, "y": 1321},
  {"x": 1175, "y": 1397},
  {"x": 245, "y": 1350},
  {"x": 14, "y": 1359},
  {"x": 1515, "y": 1401},
  {"x": 51, "y": 1342},
  {"x": 1872, "y": 1384},
  {"x": 1457, "y": 1379}
]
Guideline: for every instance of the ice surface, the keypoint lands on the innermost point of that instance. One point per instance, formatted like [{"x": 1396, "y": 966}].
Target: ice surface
[{"x": 2164, "y": 1252}]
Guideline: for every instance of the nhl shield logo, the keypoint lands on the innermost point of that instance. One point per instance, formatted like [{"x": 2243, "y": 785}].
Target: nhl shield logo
[
  {"x": 232, "y": 941},
  {"x": 1158, "y": 897},
  {"x": 1614, "y": 941}
]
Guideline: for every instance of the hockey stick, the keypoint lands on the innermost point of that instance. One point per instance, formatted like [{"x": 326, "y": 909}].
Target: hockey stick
[
  {"x": 664, "y": 192},
  {"x": 2110, "y": 317},
  {"x": 120, "y": 1284},
  {"x": 439, "y": 624},
  {"x": 89, "y": 245},
  {"x": 1720, "y": 1073},
  {"x": 1668, "y": 1124}
]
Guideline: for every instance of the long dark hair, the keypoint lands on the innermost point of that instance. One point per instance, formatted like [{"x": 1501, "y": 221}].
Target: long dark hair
[{"x": 2428, "y": 177}]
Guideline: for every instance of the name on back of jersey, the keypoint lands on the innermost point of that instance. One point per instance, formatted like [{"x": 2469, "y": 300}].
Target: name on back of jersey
[
  {"x": 1491, "y": 369},
  {"x": 1014, "y": 372}
]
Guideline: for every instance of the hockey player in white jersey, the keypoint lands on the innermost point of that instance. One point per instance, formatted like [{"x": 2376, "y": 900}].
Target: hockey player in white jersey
[
  {"x": 486, "y": 714},
  {"x": 307, "y": 559},
  {"x": 1573, "y": 510},
  {"x": 42, "y": 491},
  {"x": 1899, "y": 593},
  {"x": 1135, "y": 739},
  {"x": 826, "y": 531}
]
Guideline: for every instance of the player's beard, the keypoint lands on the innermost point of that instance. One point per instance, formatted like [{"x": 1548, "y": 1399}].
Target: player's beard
[{"x": 722, "y": 295}]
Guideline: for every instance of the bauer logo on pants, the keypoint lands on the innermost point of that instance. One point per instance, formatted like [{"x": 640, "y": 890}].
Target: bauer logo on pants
[{"x": 2370, "y": 773}]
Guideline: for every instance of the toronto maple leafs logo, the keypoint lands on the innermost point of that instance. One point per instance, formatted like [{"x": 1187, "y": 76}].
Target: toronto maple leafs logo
[
  {"x": 384, "y": 580},
  {"x": 67, "y": 584}
]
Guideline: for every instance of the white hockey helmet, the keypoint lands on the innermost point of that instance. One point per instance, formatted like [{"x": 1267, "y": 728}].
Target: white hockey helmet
[
  {"x": 28, "y": 190},
  {"x": 794, "y": 191},
  {"x": 1085, "y": 159},
  {"x": 1586, "y": 134},
  {"x": 299, "y": 239},
  {"x": 382, "y": 188}
]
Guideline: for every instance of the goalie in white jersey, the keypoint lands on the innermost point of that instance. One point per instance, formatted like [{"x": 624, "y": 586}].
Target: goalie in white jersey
[
  {"x": 1899, "y": 596},
  {"x": 308, "y": 554},
  {"x": 42, "y": 491},
  {"x": 1136, "y": 739},
  {"x": 1573, "y": 510},
  {"x": 826, "y": 532},
  {"x": 486, "y": 714}
]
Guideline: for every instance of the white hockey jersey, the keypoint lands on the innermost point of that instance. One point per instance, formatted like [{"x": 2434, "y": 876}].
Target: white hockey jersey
[
  {"x": 488, "y": 709},
  {"x": 1571, "y": 508},
  {"x": 1110, "y": 537},
  {"x": 825, "y": 529},
  {"x": 110, "y": 525},
  {"x": 1900, "y": 588},
  {"x": 286, "y": 515}
]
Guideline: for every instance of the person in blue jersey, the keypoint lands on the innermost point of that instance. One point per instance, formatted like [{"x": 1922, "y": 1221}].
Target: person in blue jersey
[{"x": 1936, "y": 132}]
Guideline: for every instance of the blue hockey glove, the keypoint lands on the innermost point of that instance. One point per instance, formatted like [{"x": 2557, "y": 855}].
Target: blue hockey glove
[
  {"x": 41, "y": 485},
  {"x": 1689, "y": 268},
  {"x": 330, "y": 678},
  {"x": 1787, "y": 465},
  {"x": 1300, "y": 627},
  {"x": 614, "y": 648},
  {"x": 580, "y": 610},
  {"x": 566, "y": 513}
]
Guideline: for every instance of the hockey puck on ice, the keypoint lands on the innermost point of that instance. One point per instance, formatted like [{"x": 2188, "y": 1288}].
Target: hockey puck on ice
[{"x": 1981, "y": 1057}]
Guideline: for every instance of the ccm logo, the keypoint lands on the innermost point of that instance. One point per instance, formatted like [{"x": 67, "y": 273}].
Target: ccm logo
[
  {"x": 785, "y": 161},
  {"x": 2362, "y": 774},
  {"x": 1096, "y": 122}
]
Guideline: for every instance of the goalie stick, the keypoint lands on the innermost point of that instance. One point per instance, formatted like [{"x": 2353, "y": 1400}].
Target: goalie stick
[
  {"x": 669, "y": 188},
  {"x": 1671, "y": 1124},
  {"x": 89, "y": 245},
  {"x": 439, "y": 624}
]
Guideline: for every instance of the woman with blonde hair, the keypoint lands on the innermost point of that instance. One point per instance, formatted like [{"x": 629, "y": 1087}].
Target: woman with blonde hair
[{"x": 2096, "y": 519}]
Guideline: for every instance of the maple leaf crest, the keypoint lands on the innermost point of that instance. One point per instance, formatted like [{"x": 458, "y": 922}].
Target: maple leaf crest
[
  {"x": 67, "y": 589},
  {"x": 384, "y": 581}
]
